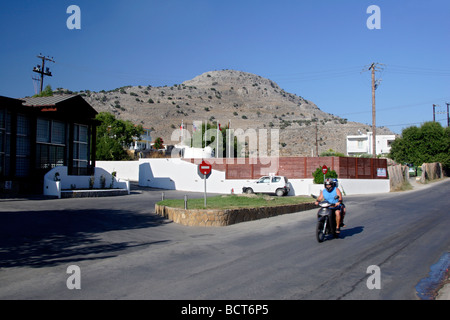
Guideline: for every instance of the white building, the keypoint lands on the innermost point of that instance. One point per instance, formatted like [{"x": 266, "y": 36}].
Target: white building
[
  {"x": 197, "y": 153},
  {"x": 362, "y": 144},
  {"x": 144, "y": 143}
]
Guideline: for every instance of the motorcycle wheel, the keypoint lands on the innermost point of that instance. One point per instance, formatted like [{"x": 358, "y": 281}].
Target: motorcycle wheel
[{"x": 319, "y": 231}]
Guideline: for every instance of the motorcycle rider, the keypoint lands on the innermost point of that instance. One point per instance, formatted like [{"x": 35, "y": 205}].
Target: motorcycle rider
[{"x": 329, "y": 194}]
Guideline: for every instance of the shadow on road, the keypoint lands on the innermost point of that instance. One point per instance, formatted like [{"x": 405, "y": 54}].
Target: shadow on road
[
  {"x": 47, "y": 238},
  {"x": 350, "y": 232}
]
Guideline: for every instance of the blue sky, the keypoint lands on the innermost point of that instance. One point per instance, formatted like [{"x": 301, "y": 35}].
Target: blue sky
[{"x": 315, "y": 49}]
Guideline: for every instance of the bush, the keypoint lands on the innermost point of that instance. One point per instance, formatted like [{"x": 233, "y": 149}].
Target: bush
[
  {"x": 318, "y": 175},
  {"x": 332, "y": 153}
]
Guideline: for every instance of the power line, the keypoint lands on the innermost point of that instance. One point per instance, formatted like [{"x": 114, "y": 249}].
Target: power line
[
  {"x": 349, "y": 71},
  {"x": 427, "y": 103},
  {"x": 316, "y": 75},
  {"x": 418, "y": 71},
  {"x": 441, "y": 112}
]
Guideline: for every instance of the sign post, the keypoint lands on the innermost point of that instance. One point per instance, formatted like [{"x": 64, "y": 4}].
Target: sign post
[
  {"x": 324, "y": 171},
  {"x": 205, "y": 169},
  {"x": 204, "y": 195}
]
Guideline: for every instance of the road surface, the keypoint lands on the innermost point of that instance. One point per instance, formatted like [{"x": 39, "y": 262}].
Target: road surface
[{"x": 124, "y": 251}]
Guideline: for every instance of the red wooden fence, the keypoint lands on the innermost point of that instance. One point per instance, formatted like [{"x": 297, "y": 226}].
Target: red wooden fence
[{"x": 298, "y": 167}]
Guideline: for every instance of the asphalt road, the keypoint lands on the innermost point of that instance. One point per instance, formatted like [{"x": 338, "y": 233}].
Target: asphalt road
[{"x": 124, "y": 251}]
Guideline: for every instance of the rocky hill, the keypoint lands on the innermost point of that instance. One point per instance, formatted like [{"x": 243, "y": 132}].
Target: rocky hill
[{"x": 244, "y": 99}]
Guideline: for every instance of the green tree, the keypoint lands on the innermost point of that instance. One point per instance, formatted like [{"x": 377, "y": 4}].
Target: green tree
[
  {"x": 47, "y": 92},
  {"x": 159, "y": 143},
  {"x": 429, "y": 143},
  {"x": 198, "y": 139},
  {"x": 114, "y": 136}
]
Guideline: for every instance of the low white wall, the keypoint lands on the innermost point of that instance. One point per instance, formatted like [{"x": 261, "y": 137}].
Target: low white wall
[
  {"x": 57, "y": 179},
  {"x": 176, "y": 174},
  {"x": 364, "y": 186},
  {"x": 347, "y": 186}
]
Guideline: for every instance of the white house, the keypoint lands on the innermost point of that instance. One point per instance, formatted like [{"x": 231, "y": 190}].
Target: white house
[
  {"x": 144, "y": 143},
  {"x": 361, "y": 144},
  {"x": 197, "y": 153}
]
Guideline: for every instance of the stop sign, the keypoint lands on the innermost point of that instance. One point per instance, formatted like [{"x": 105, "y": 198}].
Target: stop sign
[
  {"x": 324, "y": 169},
  {"x": 205, "y": 168}
]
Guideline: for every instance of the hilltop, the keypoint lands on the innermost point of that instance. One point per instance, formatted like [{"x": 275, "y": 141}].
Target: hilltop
[{"x": 246, "y": 100}]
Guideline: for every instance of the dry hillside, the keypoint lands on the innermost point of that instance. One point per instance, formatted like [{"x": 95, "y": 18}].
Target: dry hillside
[{"x": 244, "y": 99}]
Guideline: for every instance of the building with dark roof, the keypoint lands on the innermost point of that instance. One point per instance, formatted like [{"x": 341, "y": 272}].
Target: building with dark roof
[{"x": 38, "y": 134}]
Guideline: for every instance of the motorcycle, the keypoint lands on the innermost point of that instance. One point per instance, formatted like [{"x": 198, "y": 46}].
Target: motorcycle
[{"x": 326, "y": 220}]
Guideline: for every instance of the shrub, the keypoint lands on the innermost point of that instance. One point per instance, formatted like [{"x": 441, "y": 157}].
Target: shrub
[
  {"x": 318, "y": 175},
  {"x": 331, "y": 153}
]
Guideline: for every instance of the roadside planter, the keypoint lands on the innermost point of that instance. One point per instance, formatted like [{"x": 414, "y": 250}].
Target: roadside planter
[{"x": 225, "y": 217}]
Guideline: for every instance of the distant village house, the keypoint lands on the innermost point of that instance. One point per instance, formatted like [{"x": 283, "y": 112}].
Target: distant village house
[{"x": 362, "y": 144}]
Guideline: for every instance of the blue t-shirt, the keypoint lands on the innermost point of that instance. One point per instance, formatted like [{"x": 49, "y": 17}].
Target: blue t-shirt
[{"x": 329, "y": 196}]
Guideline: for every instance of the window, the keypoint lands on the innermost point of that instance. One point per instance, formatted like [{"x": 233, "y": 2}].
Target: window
[
  {"x": 5, "y": 152},
  {"x": 50, "y": 143},
  {"x": 2, "y": 141},
  {"x": 58, "y": 132},
  {"x": 80, "y": 149},
  {"x": 43, "y": 131},
  {"x": 23, "y": 146},
  {"x": 264, "y": 180}
]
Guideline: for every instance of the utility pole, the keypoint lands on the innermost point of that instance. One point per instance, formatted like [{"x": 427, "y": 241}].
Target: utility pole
[
  {"x": 448, "y": 118},
  {"x": 441, "y": 112},
  {"x": 374, "y": 67},
  {"x": 317, "y": 144},
  {"x": 434, "y": 113},
  {"x": 42, "y": 71}
]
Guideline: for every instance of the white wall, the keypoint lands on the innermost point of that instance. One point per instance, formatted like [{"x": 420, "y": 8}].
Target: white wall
[
  {"x": 176, "y": 174},
  {"x": 364, "y": 186},
  {"x": 347, "y": 186},
  {"x": 126, "y": 170}
]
